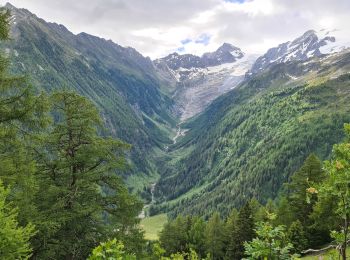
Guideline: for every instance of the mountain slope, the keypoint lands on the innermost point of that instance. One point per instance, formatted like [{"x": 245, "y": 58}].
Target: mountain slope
[
  {"x": 310, "y": 44},
  {"x": 249, "y": 141},
  {"x": 120, "y": 81},
  {"x": 196, "y": 81}
]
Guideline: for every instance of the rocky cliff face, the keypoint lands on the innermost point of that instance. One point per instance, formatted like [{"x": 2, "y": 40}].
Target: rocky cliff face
[
  {"x": 310, "y": 44},
  {"x": 197, "y": 81}
]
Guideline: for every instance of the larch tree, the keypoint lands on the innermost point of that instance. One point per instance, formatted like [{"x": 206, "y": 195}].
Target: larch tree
[
  {"x": 244, "y": 231},
  {"x": 215, "y": 237},
  {"x": 22, "y": 114},
  {"x": 81, "y": 198}
]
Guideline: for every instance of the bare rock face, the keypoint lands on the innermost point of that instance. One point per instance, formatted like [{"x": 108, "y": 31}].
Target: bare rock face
[
  {"x": 302, "y": 48},
  {"x": 200, "y": 80}
]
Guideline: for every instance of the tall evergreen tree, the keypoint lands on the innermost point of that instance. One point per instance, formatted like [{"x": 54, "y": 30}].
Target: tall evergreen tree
[
  {"x": 244, "y": 232},
  {"x": 81, "y": 199},
  {"x": 215, "y": 237},
  {"x": 21, "y": 115},
  {"x": 297, "y": 237},
  {"x": 258, "y": 210},
  {"x": 174, "y": 236},
  {"x": 285, "y": 213},
  {"x": 196, "y": 236},
  {"x": 231, "y": 229},
  {"x": 310, "y": 172},
  {"x": 299, "y": 208}
]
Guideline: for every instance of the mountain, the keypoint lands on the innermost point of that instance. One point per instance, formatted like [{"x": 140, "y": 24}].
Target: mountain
[
  {"x": 120, "y": 81},
  {"x": 244, "y": 124},
  {"x": 310, "y": 44},
  {"x": 250, "y": 140},
  {"x": 227, "y": 53},
  {"x": 196, "y": 81}
]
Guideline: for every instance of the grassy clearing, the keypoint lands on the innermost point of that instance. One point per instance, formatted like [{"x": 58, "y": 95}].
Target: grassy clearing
[{"x": 153, "y": 225}]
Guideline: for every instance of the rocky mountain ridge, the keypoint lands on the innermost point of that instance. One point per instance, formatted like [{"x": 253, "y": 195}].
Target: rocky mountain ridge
[
  {"x": 310, "y": 44},
  {"x": 227, "y": 53},
  {"x": 196, "y": 81},
  {"x": 122, "y": 83}
]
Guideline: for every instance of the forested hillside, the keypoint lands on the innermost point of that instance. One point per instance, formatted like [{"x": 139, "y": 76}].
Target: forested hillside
[
  {"x": 120, "y": 81},
  {"x": 248, "y": 142},
  {"x": 88, "y": 129}
]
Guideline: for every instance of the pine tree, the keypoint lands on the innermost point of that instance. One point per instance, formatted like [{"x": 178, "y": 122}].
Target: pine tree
[
  {"x": 244, "y": 232},
  {"x": 285, "y": 212},
  {"x": 231, "y": 228},
  {"x": 174, "y": 236},
  {"x": 258, "y": 210},
  {"x": 310, "y": 172},
  {"x": 215, "y": 237},
  {"x": 81, "y": 199},
  {"x": 196, "y": 236},
  {"x": 296, "y": 237}
]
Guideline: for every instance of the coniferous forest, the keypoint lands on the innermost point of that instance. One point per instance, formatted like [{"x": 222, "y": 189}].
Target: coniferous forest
[{"x": 263, "y": 172}]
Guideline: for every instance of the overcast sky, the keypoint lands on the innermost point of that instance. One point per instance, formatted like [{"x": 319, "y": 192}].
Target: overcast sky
[{"x": 159, "y": 27}]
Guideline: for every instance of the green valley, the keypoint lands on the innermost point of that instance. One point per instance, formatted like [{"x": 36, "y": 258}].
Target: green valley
[
  {"x": 208, "y": 152},
  {"x": 248, "y": 142}
]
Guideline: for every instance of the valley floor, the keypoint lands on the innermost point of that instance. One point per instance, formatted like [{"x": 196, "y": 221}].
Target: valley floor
[{"x": 153, "y": 225}]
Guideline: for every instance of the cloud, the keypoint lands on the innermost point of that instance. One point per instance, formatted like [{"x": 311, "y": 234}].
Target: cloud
[
  {"x": 181, "y": 50},
  {"x": 235, "y": 1},
  {"x": 186, "y": 41},
  {"x": 159, "y": 27},
  {"x": 203, "y": 39}
]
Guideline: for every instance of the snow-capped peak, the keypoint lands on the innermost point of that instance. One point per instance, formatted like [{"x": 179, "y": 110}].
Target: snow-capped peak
[
  {"x": 226, "y": 53},
  {"x": 310, "y": 44}
]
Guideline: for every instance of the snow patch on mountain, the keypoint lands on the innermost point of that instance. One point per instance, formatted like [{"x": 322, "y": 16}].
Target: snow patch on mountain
[
  {"x": 310, "y": 44},
  {"x": 198, "y": 85}
]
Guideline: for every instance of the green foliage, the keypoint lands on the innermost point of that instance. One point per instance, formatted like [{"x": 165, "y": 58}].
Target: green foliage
[
  {"x": 119, "y": 81},
  {"x": 336, "y": 188},
  {"x": 297, "y": 237},
  {"x": 196, "y": 236},
  {"x": 241, "y": 232},
  {"x": 215, "y": 237},
  {"x": 14, "y": 239},
  {"x": 250, "y": 141},
  {"x": 21, "y": 115},
  {"x": 309, "y": 174},
  {"x": 173, "y": 237},
  {"x": 271, "y": 243},
  {"x": 298, "y": 205},
  {"x": 157, "y": 250},
  {"x": 4, "y": 24},
  {"x": 110, "y": 250},
  {"x": 78, "y": 184}
]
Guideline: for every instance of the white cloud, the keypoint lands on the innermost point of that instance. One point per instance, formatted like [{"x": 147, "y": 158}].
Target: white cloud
[{"x": 157, "y": 27}]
